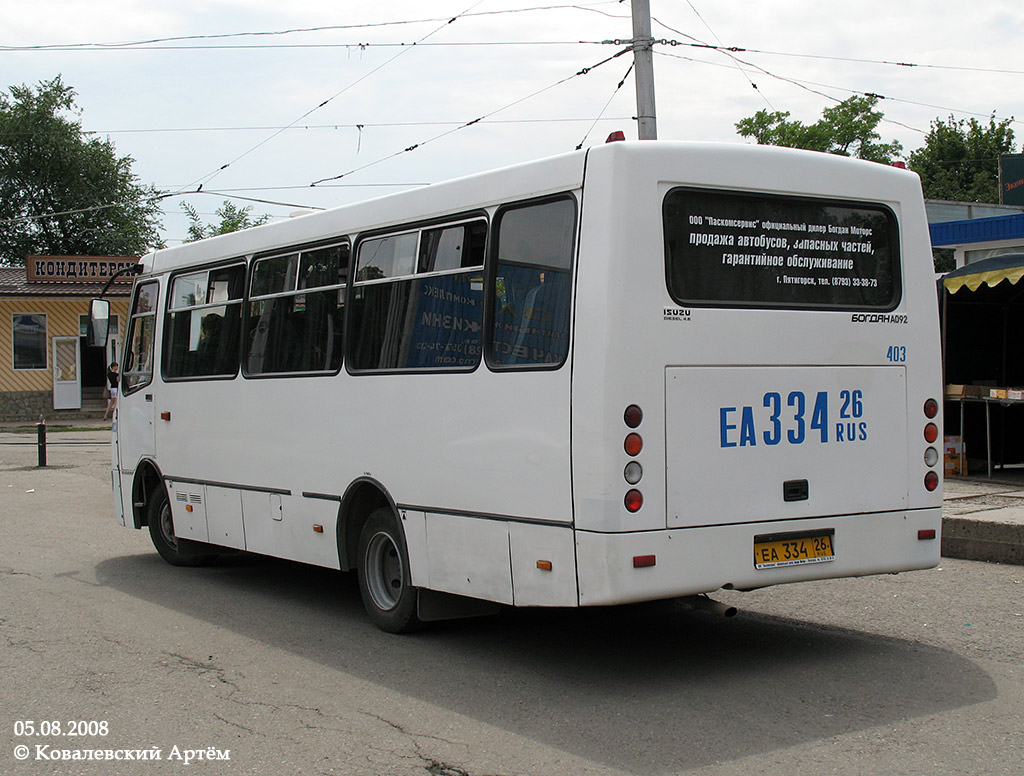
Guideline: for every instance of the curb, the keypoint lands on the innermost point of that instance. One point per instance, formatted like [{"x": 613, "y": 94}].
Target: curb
[{"x": 994, "y": 542}]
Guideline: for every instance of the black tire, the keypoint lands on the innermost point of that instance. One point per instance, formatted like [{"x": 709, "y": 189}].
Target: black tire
[
  {"x": 177, "y": 552},
  {"x": 389, "y": 597}
]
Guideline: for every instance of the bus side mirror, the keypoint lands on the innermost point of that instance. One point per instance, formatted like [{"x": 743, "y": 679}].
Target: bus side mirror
[{"x": 99, "y": 322}]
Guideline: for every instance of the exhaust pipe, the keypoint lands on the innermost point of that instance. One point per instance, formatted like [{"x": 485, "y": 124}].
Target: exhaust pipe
[{"x": 706, "y": 604}]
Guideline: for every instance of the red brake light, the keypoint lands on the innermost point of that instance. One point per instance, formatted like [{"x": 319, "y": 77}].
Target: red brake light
[
  {"x": 634, "y": 500},
  {"x": 931, "y": 481},
  {"x": 931, "y": 408},
  {"x": 931, "y": 433}
]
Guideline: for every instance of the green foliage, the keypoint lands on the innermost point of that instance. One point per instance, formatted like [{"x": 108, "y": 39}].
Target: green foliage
[
  {"x": 960, "y": 159},
  {"x": 944, "y": 259},
  {"x": 846, "y": 129},
  {"x": 61, "y": 191},
  {"x": 232, "y": 218}
]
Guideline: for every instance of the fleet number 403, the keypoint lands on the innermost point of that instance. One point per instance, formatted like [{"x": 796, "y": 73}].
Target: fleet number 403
[
  {"x": 795, "y": 418},
  {"x": 897, "y": 354}
]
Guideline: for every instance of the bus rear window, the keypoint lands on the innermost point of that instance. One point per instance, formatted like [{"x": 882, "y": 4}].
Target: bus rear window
[{"x": 754, "y": 250}]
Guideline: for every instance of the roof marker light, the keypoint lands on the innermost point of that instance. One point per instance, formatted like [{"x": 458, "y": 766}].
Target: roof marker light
[
  {"x": 616, "y": 136},
  {"x": 644, "y": 561}
]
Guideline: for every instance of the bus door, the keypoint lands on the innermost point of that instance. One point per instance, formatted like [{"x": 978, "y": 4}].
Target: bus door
[{"x": 136, "y": 411}]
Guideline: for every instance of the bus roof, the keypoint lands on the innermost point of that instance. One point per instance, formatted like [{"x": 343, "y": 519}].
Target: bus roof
[
  {"x": 526, "y": 180},
  {"x": 472, "y": 192}
]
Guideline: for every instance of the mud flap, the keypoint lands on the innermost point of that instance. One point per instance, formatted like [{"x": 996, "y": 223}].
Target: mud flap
[{"x": 433, "y": 605}]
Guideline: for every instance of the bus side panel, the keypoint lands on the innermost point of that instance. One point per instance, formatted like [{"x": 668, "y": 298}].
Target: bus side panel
[
  {"x": 543, "y": 565},
  {"x": 115, "y": 482},
  {"x": 224, "y": 517},
  {"x": 188, "y": 510},
  {"x": 414, "y": 524},
  {"x": 921, "y": 338},
  {"x": 469, "y": 557},
  {"x": 619, "y": 296},
  {"x": 285, "y": 527},
  {"x": 543, "y": 559},
  {"x": 124, "y": 494},
  {"x": 468, "y": 443}
]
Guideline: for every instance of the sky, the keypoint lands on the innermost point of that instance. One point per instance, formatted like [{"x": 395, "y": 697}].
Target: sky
[{"x": 261, "y": 99}]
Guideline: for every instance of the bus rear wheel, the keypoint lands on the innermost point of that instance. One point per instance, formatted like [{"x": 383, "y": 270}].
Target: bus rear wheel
[
  {"x": 175, "y": 551},
  {"x": 384, "y": 582}
]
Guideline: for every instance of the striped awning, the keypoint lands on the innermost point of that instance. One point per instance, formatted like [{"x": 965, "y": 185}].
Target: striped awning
[{"x": 989, "y": 272}]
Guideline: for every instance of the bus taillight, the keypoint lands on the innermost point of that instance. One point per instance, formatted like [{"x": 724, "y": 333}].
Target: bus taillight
[
  {"x": 634, "y": 500},
  {"x": 931, "y": 455},
  {"x": 633, "y": 416},
  {"x": 634, "y": 444},
  {"x": 633, "y": 472}
]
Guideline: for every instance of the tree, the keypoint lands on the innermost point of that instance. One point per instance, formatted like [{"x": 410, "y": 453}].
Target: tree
[
  {"x": 62, "y": 192},
  {"x": 960, "y": 159},
  {"x": 232, "y": 218},
  {"x": 846, "y": 129}
]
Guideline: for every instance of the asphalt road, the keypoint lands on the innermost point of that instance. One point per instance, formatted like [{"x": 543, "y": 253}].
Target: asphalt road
[{"x": 275, "y": 666}]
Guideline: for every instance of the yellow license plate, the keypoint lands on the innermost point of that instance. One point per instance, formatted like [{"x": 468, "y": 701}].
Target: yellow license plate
[{"x": 778, "y": 550}]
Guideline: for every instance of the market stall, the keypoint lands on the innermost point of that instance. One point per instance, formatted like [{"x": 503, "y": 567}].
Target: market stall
[{"x": 982, "y": 307}]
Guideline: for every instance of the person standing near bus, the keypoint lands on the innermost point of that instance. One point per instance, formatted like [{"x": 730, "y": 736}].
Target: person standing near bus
[{"x": 112, "y": 380}]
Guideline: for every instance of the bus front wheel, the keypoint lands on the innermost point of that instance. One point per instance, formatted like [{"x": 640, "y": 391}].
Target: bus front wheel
[
  {"x": 389, "y": 597},
  {"x": 175, "y": 551}
]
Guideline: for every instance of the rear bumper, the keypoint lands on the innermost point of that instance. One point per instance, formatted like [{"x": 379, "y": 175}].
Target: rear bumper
[{"x": 701, "y": 560}]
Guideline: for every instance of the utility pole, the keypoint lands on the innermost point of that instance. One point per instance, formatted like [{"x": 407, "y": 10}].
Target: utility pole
[{"x": 643, "y": 64}]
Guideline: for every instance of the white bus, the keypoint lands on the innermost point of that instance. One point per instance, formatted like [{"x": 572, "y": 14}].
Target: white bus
[{"x": 636, "y": 372}]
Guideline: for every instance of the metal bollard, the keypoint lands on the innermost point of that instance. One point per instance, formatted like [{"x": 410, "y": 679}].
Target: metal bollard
[{"x": 41, "y": 441}]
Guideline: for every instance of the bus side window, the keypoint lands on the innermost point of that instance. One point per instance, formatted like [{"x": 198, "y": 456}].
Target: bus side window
[
  {"x": 203, "y": 322},
  {"x": 429, "y": 320},
  {"x": 533, "y": 285},
  {"x": 296, "y": 312}
]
